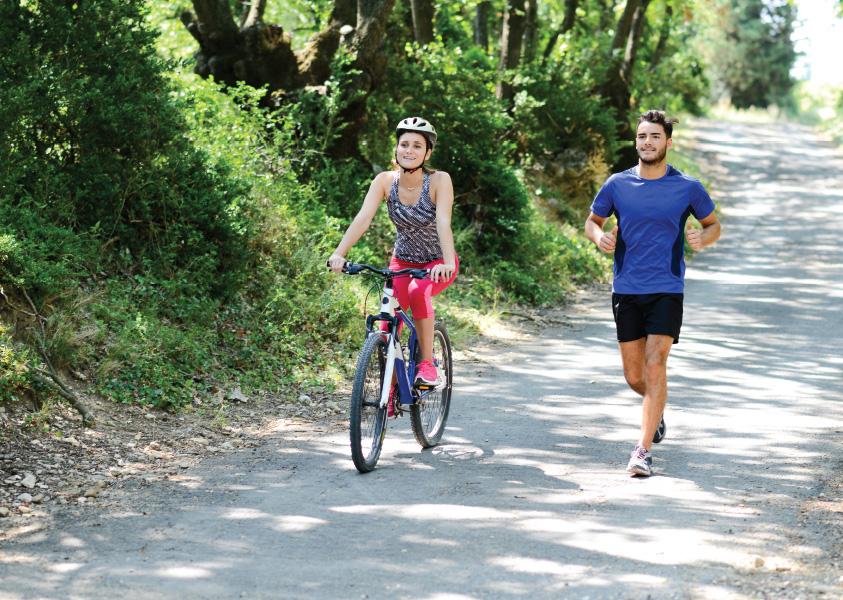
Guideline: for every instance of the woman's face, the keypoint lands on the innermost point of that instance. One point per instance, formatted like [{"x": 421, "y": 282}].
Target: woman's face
[{"x": 411, "y": 151}]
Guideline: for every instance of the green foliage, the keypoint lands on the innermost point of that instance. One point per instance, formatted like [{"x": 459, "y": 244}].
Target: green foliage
[
  {"x": 274, "y": 330},
  {"x": 672, "y": 74},
  {"x": 555, "y": 113},
  {"x": 155, "y": 198},
  {"x": 92, "y": 147},
  {"x": 312, "y": 126},
  {"x": 559, "y": 260},
  {"x": 15, "y": 376},
  {"x": 751, "y": 51},
  {"x": 821, "y": 105}
]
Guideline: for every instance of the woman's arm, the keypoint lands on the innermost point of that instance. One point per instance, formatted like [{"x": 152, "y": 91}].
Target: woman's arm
[
  {"x": 444, "y": 196},
  {"x": 361, "y": 222}
]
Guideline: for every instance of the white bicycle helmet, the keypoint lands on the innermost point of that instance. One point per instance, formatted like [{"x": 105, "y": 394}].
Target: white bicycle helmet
[{"x": 419, "y": 125}]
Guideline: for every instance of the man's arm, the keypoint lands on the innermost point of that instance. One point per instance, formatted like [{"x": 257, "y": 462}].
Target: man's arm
[
  {"x": 710, "y": 233},
  {"x": 594, "y": 231}
]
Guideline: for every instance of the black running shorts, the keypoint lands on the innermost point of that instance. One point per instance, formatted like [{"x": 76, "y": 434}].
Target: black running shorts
[{"x": 640, "y": 315}]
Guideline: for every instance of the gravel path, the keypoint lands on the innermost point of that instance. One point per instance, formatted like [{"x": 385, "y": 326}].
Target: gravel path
[{"x": 527, "y": 496}]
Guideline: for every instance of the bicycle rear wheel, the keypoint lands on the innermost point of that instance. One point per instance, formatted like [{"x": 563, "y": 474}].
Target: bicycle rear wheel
[
  {"x": 367, "y": 421},
  {"x": 429, "y": 414}
]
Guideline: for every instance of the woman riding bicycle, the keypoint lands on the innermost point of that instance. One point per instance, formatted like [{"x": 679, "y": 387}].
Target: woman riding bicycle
[{"x": 419, "y": 201}]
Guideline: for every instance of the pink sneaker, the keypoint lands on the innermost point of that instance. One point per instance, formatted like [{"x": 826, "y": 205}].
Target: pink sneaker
[{"x": 426, "y": 373}]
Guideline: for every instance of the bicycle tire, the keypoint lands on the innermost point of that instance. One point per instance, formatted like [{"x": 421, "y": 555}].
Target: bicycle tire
[
  {"x": 367, "y": 421},
  {"x": 430, "y": 413}
]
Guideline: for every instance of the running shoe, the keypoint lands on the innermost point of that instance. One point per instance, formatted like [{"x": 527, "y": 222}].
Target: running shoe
[
  {"x": 661, "y": 431},
  {"x": 640, "y": 462},
  {"x": 426, "y": 373}
]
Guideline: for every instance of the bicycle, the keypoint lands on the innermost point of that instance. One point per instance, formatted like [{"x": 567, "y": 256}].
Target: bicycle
[{"x": 381, "y": 356}]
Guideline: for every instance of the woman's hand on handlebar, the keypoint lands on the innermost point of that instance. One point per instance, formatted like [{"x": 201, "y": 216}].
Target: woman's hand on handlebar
[
  {"x": 336, "y": 262},
  {"x": 442, "y": 272}
]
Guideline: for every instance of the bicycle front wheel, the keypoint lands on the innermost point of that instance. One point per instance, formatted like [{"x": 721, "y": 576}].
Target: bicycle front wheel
[
  {"x": 367, "y": 421},
  {"x": 429, "y": 414}
]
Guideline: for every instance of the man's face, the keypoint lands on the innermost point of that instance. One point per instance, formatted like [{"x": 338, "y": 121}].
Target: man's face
[{"x": 652, "y": 143}]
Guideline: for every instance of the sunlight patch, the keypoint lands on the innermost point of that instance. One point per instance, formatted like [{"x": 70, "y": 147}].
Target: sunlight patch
[
  {"x": 537, "y": 566},
  {"x": 293, "y": 523},
  {"x": 65, "y": 567},
  {"x": 183, "y": 572},
  {"x": 70, "y": 541},
  {"x": 244, "y": 513}
]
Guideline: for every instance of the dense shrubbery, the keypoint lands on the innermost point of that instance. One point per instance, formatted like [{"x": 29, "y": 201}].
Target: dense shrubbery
[
  {"x": 155, "y": 224},
  {"x": 94, "y": 155}
]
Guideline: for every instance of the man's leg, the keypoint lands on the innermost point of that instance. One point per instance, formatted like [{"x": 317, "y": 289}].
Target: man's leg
[
  {"x": 632, "y": 356},
  {"x": 656, "y": 351}
]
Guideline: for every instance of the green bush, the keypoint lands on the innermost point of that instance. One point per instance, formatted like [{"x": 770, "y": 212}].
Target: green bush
[
  {"x": 93, "y": 147},
  {"x": 15, "y": 375}
]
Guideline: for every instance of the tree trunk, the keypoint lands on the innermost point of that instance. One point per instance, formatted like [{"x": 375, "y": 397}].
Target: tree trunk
[
  {"x": 261, "y": 54},
  {"x": 371, "y": 62},
  {"x": 511, "y": 35},
  {"x": 481, "y": 24},
  {"x": 567, "y": 25},
  {"x": 531, "y": 31},
  {"x": 422, "y": 20},
  {"x": 257, "y": 54},
  {"x": 616, "y": 88},
  {"x": 664, "y": 35},
  {"x": 315, "y": 58}
]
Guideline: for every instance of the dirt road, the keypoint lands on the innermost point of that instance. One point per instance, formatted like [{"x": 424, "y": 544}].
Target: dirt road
[{"x": 527, "y": 496}]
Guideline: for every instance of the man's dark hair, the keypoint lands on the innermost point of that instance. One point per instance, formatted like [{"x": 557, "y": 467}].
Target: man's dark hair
[{"x": 659, "y": 118}]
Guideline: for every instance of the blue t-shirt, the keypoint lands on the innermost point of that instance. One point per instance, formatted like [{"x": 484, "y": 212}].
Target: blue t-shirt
[{"x": 651, "y": 217}]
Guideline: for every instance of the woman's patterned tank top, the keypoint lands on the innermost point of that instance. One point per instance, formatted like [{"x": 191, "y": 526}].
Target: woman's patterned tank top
[{"x": 417, "y": 240}]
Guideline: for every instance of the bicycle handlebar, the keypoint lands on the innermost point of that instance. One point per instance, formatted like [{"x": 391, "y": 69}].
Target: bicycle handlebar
[{"x": 350, "y": 268}]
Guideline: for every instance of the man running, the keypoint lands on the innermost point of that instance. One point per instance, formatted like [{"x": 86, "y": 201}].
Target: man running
[{"x": 652, "y": 202}]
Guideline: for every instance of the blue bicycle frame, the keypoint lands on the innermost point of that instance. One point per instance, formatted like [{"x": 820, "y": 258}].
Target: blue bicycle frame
[{"x": 392, "y": 313}]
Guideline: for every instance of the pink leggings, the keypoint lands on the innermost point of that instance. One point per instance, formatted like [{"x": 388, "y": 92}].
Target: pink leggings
[{"x": 417, "y": 293}]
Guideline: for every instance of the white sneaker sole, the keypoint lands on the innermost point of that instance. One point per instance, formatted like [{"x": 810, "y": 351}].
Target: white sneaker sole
[{"x": 638, "y": 470}]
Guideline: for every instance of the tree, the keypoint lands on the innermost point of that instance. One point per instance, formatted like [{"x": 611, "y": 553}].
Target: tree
[
  {"x": 531, "y": 31},
  {"x": 422, "y": 20},
  {"x": 260, "y": 54},
  {"x": 512, "y": 34},
  {"x": 617, "y": 85},
  {"x": 481, "y": 24},
  {"x": 664, "y": 35},
  {"x": 567, "y": 25},
  {"x": 753, "y": 53}
]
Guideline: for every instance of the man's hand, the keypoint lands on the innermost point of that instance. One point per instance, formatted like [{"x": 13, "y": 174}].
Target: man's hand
[
  {"x": 694, "y": 237},
  {"x": 608, "y": 240}
]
